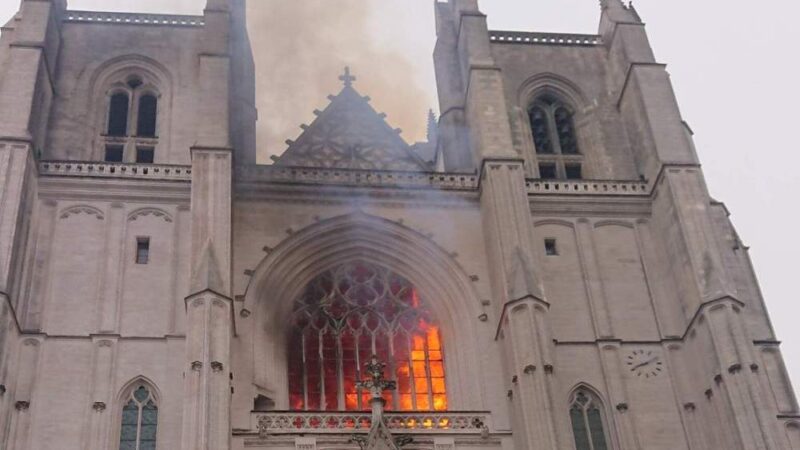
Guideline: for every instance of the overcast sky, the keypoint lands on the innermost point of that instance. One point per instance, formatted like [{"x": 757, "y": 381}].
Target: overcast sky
[{"x": 736, "y": 73}]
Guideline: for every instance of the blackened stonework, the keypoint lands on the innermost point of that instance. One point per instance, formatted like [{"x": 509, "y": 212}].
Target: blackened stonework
[{"x": 547, "y": 272}]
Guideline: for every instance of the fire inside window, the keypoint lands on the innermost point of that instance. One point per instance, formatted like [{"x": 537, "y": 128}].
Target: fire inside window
[{"x": 345, "y": 316}]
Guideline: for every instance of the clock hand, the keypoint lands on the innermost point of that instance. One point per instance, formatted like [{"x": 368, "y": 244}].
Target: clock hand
[{"x": 644, "y": 363}]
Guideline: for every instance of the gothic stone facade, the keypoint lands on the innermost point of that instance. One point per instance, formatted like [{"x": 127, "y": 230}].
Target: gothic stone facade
[{"x": 587, "y": 291}]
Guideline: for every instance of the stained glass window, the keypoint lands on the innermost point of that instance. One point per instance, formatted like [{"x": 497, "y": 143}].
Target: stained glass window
[
  {"x": 555, "y": 140},
  {"x": 139, "y": 421},
  {"x": 346, "y": 315},
  {"x": 587, "y": 422}
]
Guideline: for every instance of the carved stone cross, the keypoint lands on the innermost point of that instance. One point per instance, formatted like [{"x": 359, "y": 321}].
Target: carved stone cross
[
  {"x": 376, "y": 383},
  {"x": 347, "y": 78}
]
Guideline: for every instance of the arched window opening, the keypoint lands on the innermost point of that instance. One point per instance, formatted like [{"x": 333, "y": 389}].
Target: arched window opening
[
  {"x": 139, "y": 420},
  {"x": 148, "y": 111},
  {"x": 555, "y": 140},
  {"x": 587, "y": 421},
  {"x": 118, "y": 115},
  {"x": 346, "y": 315}
]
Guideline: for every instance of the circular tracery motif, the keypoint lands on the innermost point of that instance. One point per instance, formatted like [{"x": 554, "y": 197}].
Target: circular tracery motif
[{"x": 346, "y": 315}]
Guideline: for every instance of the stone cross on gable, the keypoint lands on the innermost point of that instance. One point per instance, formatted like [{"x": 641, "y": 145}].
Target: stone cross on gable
[
  {"x": 376, "y": 383},
  {"x": 347, "y": 78}
]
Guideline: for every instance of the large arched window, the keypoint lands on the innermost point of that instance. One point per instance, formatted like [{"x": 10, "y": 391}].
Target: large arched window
[
  {"x": 553, "y": 129},
  {"x": 586, "y": 415},
  {"x": 346, "y": 315},
  {"x": 131, "y": 102},
  {"x": 139, "y": 419}
]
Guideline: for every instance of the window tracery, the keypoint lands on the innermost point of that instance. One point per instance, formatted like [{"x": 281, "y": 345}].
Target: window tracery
[
  {"x": 139, "y": 424},
  {"x": 587, "y": 421},
  {"x": 555, "y": 139},
  {"x": 345, "y": 316},
  {"x": 131, "y": 121}
]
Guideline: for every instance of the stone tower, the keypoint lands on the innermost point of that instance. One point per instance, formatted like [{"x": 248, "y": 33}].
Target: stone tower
[{"x": 548, "y": 271}]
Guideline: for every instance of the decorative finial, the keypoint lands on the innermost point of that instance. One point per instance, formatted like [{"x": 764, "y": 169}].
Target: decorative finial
[{"x": 347, "y": 78}]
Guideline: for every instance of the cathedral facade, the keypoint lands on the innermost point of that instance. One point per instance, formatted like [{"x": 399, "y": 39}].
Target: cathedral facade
[{"x": 547, "y": 271}]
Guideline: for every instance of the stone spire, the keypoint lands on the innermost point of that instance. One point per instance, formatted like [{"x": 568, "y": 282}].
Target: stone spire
[{"x": 433, "y": 127}]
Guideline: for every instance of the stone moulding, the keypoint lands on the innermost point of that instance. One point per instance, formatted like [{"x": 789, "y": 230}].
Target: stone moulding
[
  {"x": 163, "y": 172},
  {"x": 337, "y": 422},
  {"x": 349, "y": 177},
  {"x": 587, "y": 187},
  {"x": 518, "y": 37},
  {"x": 134, "y": 18}
]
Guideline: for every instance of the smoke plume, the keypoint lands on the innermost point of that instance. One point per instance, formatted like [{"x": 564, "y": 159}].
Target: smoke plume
[{"x": 302, "y": 46}]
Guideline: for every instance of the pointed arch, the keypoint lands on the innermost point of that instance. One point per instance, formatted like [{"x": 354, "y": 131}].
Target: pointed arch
[
  {"x": 283, "y": 274},
  {"x": 136, "y": 415},
  {"x": 588, "y": 418}
]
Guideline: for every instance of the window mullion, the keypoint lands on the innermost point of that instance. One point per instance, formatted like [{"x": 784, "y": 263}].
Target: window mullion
[
  {"x": 411, "y": 373},
  {"x": 320, "y": 349},
  {"x": 340, "y": 371},
  {"x": 139, "y": 427},
  {"x": 588, "y": 427},
  {"x": 305, "y": 371}
]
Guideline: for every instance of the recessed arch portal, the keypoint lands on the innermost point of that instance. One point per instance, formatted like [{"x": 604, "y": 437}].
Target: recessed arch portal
[{"x": 284, "y": 274}]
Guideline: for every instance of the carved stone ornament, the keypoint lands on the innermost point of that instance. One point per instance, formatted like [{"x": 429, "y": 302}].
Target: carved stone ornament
[
  {"x": 22, "y": 405},
  {"x": 197, "y": 366},
  {"x": 217, "y": 366},
  {"x": 99, "y": 406}
]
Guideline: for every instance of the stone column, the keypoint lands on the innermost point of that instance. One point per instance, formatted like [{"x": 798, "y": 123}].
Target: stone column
[
  {"x": 108, "y": 301},
  {"x": 28, "y": 357},
  {"x": 99, "y": 417}
]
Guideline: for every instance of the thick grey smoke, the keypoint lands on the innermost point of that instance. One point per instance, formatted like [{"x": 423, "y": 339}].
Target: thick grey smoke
[{"x": 302, "y": 46}]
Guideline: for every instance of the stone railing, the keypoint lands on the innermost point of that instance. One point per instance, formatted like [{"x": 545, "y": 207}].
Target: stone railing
[
  {"x": 587, "y": 187},
  {"x": 355, "y": 422},
  {"x": 519, "y": 37},
  {"x": 134, "y": 18},
  {"x": 345, "y": 177},
  {"x": 115, "y": 170}
]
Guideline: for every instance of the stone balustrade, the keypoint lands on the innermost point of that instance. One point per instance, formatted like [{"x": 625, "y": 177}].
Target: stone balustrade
[
  {"x": 116, "y": 170},
  {"x": 359, "y": 422},
  {"x": 134, "y": 18},
  {"x": 587, "y": 187},
  {"x": 347, "y": 177},
  {"x": 518, "y": 37}
]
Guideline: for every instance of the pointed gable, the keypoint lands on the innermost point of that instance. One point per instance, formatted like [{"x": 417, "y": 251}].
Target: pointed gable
[{"x": 350, "y": 134}]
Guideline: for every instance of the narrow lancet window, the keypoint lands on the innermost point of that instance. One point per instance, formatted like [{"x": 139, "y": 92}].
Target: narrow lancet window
[
  {"x": 345, "y": 316},
  {"x": 587, "y": 421},
  {"x": 118, "y": 107},
  {"x": 139, "y": 421},
  {"x": 148, "y": 111}
]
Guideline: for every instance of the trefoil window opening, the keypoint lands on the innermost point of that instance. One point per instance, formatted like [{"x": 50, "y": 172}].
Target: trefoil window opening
[{"x": 345, "y": 316}]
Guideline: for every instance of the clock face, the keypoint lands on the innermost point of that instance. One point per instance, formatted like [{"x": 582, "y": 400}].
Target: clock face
[{"x": 644, "y": 363}]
